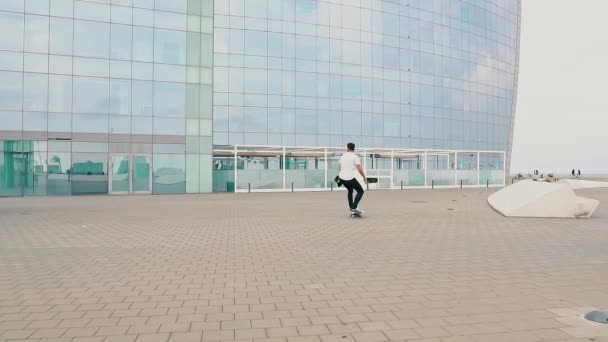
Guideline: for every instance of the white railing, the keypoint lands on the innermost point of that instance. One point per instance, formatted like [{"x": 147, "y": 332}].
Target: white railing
[{"x": 424, "y": 168}]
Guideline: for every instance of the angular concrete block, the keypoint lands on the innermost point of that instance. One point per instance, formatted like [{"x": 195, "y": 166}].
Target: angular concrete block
[{"x": 541, "y": 199}]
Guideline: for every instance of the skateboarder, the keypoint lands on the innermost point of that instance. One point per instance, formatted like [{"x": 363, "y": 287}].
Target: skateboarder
[{"x": 349, "y": 163}]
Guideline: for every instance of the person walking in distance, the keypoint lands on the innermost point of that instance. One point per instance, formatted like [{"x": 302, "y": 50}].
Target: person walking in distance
[{"x": 349, "y": 163}]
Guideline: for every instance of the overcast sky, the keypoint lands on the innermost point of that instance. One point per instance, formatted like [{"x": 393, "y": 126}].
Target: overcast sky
[{"x": 562, "y": 111}]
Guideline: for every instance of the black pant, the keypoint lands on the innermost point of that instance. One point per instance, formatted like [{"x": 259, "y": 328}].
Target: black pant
[{"x": 351, "y": 185}]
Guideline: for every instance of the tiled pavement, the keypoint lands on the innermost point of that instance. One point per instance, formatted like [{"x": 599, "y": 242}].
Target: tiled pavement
[{"x": 296, "y": 268}]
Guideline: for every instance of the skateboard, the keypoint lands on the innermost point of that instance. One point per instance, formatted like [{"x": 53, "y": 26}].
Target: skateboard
[{"x": 356, "y": 215}]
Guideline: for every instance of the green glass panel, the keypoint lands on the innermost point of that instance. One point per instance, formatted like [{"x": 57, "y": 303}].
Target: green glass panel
[
  {"x": 206, "y": 76},
  {"x": 193, "y": 56},
  {"x": 206, "y": 173},
  {"x": 120, "y": 173},
  {"x": 192, "y": 145},
  {"x": 12, "y": 175},
  {"x": 193, "y": 75},
  {"x": 192, "y": 101},
  {"x": 206, "y": 145},
  {"x": 141, "y": 173},
  {"x": 207, "y": 8},
  {"x": 207, "y": 25},
  {"x": 194, "y": 23},
  {"x": 192, "y": 127},
  {"x": 206, "y": 128},
  {"x": 194, "y": 7},
  {"x": 206, "y": 50},
  {"x": 206, "y": 101},
  {"x": 192, "y": 173}
]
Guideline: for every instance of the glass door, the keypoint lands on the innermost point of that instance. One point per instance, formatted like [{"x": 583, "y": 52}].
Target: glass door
[
  {"x": 119, "y": 175},
  {"x": 130, "y": 174}
]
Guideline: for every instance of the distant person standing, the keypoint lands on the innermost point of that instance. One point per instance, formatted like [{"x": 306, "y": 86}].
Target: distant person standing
[
  {"x": 573, "y": 173},
  {"x": 579, "y": 173},
  {"x": 349, "y": 163}
]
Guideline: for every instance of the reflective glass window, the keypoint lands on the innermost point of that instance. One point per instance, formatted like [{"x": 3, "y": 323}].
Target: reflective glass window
[
  {"x": 62, "y": 8},
  {"x": 171, "y": 21},
  {"x": 179, "y": 6},
  {"x": 11, "y": 61},
  {"x": 141, "y": 125},
  {"x": 11, "y": 90},
  {"x": 256, "y": 43},
  {"x": 256, "y": 8},
  {"x": 60, "y": 93},
  {"x": 91, "y": 95},
  {"x": 121, "y": 42},
  {"x": 35, "y": 92},
  {"x": 169, "y": 47},
  {"x": 169, "y": 126},
  {"x": 91, "y": 39},
  {"x": 256, "y": 81},
  {"x": 89, "y": 173},
  {"x": 82, "y": 123},
  {"x": 36, "y": 33},
  {"x": 306, "y": 121},
  {"x": 91, "y": 11},
  {"x": 169, "y": 99},
  {"x": 143, "y": 17},
  {"x": 143, "y": 95},
  {"x": 120, "y": 125},
  {"x": 12, "y": 5},
  {"x": 120, "y": 97},
  {"x": 143, "y": 44},
  {"x": 35, "y": 121},
  {"x": 14, "y": 23},
  {"x": 11, "y": 121},
  {"x": 169, "y": 174},
  {"x": 61, "y": 36},
  {"x": 59, "y": 122},
  {"x": 255, "y": 119}
]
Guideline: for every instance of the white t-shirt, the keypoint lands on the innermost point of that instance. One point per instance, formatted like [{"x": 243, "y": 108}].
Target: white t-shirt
[{"x": 348, "y": 165}]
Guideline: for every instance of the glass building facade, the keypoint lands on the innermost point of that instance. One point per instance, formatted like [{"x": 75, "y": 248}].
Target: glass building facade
[
  {"x": 107, "y": 96},
  {"x": 132, "y": 96}
]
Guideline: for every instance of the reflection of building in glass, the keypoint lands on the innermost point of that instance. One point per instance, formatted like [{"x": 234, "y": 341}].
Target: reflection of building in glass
[{"x": 143, "y": 96}]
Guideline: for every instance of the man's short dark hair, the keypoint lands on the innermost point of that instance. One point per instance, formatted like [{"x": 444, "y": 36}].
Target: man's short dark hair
[{"x": 350, "y": 146}]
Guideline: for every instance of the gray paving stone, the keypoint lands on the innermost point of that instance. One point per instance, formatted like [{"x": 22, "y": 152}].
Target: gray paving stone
[{"x": 256, "y": 267}]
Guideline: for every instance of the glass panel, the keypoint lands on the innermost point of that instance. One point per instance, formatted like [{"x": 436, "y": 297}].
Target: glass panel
[
  {"x": 59, "y": 173},
  {"x": 169, "y": 47},
  {"x": 141, "y": 173},
  {"x": 36, "y": 33},
  {"x": 89, "y": 174},
  {"x": 120, "y": 173},
  {"x": 91, "y": 39},
  {"x": 192, "y": 173},
  {"x": 14, "y": 164},
  {"x": 11, "y": 121},
  {"x": 39, "y": 184},
  {"x": 91, "y": 95},
  {"x": 169, "y": 174},
  {"x": 35, "y": 92},
  {"x": 169, "y": 99},
  {"x": 11, "y": 90},
  {"x": 13, "y": 23}
]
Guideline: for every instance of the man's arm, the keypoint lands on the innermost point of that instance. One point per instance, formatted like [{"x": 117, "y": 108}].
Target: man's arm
[{"x": 360, "y": 169}]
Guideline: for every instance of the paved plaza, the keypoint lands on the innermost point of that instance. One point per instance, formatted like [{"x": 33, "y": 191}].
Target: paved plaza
[{"x": 422, "y": 265}]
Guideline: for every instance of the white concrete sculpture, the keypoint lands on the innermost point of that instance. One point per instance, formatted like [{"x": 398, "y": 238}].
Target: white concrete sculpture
[
  {"x": 541, "y": 199},
  {"x": 583, "y": 184}
]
